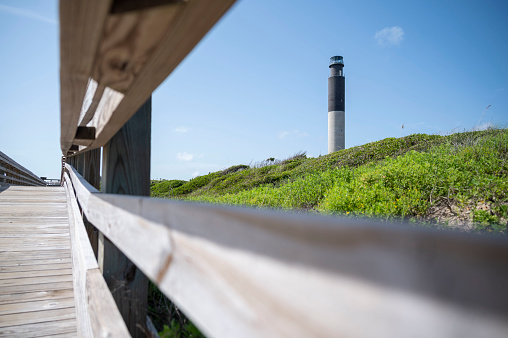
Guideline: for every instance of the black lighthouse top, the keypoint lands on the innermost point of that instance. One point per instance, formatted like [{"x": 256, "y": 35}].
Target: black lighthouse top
[
  {"x": 336, "y": 65},
  {"x": 336, "y": 60}
]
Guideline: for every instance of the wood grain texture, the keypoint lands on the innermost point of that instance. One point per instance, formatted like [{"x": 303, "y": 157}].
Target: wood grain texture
[
  {"x": 92, "y": 167},
  {"x": 112, "y": 62},
  {"x": 92, "y": 175},
  {"x": 92, "y": 96},
  {"x": 193, "y": 20},
  {"x": 105, "y": 318},
  {"x": 36, "y": 265},
  {"x": 35, "y": 273},
  {"x": 235, "y": 270},
  {"x": 126, "y": 157},
  {"x": 31, "y": 318},
  {"x": 83, "y": 260},
  {"x": 35, "y": 254},
  {"x": 36, "y": 294},
  {"x": 36, "y": 305},
  {"x": 126, "y": 171},
  {"x": 129, "y": 41},
  {"x": 44, "y": 329},
  {"x": 22, "y": 288},
  {"x": 81, "y": 27}
]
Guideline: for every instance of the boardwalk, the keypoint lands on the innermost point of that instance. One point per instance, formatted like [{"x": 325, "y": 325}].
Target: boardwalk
[
  {"x": 36, "y": 288},
  {"x": 82, "y": 270}
]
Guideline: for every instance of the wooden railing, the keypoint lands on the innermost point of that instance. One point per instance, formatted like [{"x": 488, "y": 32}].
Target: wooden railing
[
  {"x": 235, "y": 272},
  {"x": 240, "y": 272},
  {"x": 97, "y": 314},
  {"x": 11, "y": 172}
]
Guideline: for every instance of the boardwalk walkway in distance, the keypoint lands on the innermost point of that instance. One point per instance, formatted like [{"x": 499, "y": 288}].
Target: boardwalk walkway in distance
[{"x": 36, "y": 287}]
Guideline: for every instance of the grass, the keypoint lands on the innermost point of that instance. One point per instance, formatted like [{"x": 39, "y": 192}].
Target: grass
[
  {"x": 458, "y": 180},
  {"x": 169, "y": 321}
]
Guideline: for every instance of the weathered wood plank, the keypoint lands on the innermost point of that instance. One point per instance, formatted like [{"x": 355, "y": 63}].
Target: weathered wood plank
[
  {"x": 32, "y": 235},
  {"x": 35, "y": 280},
  {"x": 49, "y": 286},
  {"x": 30, "y": 248},
  {"x": 34, "y": 273},
  {"x": 37, "y": 266},
  {"x": 30, "y": 213},
  {"x": 105, "y": 318},
  {"x": 33, "y": 223},
  {"x": 36, "y": 296},
  {"x": 92, "y": 167},
  {"x": 50, "y": 328},
  {"x": 32, "y": 263},
  {"x": 177, "y": 39},
  {"x": 90, "y": 102},
  {"x": 79, "y": 263},
  {"x": 81, "y": 27},
  {"x": 9, "y": 230},
  {"x": 126, "y": 170},
  {"x": 92, "y": 175},
  {"x": 37, "y": 305},
  {"x": 37, "y": 317},
  {"x": 235, "y": 269},
  {"x": 31, "y": 240},
  {"x": 35, "y": 254},
  {"x": 136, "y": 51},
  {"x": 83, "y": 263}
]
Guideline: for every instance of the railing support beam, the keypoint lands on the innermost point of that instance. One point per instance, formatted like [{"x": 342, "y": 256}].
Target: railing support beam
[
  {"x": 126, "y": 171},
  {"x": 80, "y": 164},
  {"x": 91, "y": 173}
]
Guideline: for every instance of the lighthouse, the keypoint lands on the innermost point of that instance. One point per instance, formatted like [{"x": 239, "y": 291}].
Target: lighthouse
[{"x": 336, "y": 105}]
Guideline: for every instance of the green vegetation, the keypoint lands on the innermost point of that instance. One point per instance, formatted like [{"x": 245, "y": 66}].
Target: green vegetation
[
  {"x": 456, "y": 180},
  {"x": 460, "y": 180},
  {"x": 176, "y": 331},
  {"x": 169, "y": 321}
]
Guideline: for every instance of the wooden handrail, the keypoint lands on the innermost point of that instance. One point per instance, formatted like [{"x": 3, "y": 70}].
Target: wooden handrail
[
  {"x": 97, "y": 314},
  {"x": 111, "y": 61},
  {"x": 240, "y": 272},
  {"x": 247, "y": 273},
  {"x": 15, "y": 173}
]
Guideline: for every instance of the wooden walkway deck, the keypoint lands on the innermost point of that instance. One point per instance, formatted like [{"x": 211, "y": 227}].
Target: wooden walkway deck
[{"x": 36, "y": 287}]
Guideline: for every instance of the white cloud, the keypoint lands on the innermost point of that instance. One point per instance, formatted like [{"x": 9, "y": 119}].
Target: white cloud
[
  {"x": 181, "y": 130},
  {"x": 389, "y": 36},
  {"x": 186, "y": 157},
  {"x": 26, "y": 13},
  {"x": 195, "y": 174},
  {"x": 283, "y": 134}
]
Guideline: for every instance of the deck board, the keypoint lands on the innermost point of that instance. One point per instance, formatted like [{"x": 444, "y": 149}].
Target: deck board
[
  {"x": 36, "y": 288},
  {"x": 55, "y": 327}
]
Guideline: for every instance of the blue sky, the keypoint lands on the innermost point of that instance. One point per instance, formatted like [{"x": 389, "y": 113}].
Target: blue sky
[{"x": 256, "y": 85}]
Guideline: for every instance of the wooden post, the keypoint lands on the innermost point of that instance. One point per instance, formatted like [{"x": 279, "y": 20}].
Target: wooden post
[
  {"x": 92, "y": 165},
  {"x": 91, "y": 174},
  {"x": 126, "y": 170},
  {"x": 80, "y": 163}
]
